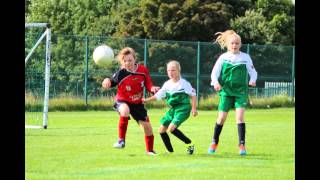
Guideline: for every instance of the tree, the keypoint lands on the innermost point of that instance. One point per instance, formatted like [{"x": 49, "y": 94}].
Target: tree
[
  {"x": 282, "y": 30},
  {"x": 178, "y": 20},
  {"x": 270, "y": 8},
  {"x": 251, "y": 27},
  {"x": 26, "y": 7},
  {"x": 69, "y": 19},
  {"x": 91, "y": 17},
  {"x": 270, "y": 22}
]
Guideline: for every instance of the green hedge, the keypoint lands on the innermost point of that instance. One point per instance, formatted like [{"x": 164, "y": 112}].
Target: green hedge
[{"x": 106, "y": 103}]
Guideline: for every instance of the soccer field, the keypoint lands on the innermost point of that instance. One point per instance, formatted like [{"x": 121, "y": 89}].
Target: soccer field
[{"x": 78, "y": 145}]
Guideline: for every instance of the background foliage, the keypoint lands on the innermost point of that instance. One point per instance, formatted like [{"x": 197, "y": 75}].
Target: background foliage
[
  {"x": 261, "y": 21},
  {"x": 79, "y": 24}
]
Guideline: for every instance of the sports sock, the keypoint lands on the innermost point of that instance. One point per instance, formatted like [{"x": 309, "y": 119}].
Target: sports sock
[
  {"x": 181, "y": 136},
  {"x": 216, "y": 134},
  {"x": 149, "y": 142},
  {"x": 122, "y": 127},
  {"x": 166, "y": 140},
  {"x": 242, "y": 133}
]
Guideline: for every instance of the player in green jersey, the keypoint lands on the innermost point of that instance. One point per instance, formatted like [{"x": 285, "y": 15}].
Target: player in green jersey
[
  {"x": 230, "y": 79},
  {"x": 177, "y": 92}
]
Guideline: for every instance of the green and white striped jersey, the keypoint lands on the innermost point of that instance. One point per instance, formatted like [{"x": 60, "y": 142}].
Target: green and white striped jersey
[
  {"x": 176, "y": 93},
  {"x": 231, "y": 71}
]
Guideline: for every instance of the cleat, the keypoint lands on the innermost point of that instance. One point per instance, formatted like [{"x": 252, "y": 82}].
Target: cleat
[
  {"x": 190, "y": 149},
  {"x": 212, "y": 149},
  {"x": 151, "y": 153},
  {"x": 242, "y": 150},
  {"x": 119, "y": 144}
]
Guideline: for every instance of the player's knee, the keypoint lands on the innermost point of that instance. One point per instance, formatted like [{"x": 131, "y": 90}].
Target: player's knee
[
  {"x": 171, "y": 128},
  {"x": 124, "y": 110},
  {"x": 239, "y": 121},
  {"x": 162, "y": 129},
  {"x": 148, "y": 131},
  {"x": 147, "y": 128}
]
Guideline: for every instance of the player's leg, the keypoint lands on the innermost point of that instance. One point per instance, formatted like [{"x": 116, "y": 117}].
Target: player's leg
[
  {"x": 180, "y": 115},
  {"x": 225, "y": 104},
  {"x": 165, "y": 121},
  {"x": 139, "y": 113},
  {"x": 222, "y": 116},
  {"x": 180, "y": 135},
  {"x": 148, "y": 135},
  {"x": 124, "y": 112},
  {"x": 240, "y": 105},
  {"x": 165, "y": 137}
]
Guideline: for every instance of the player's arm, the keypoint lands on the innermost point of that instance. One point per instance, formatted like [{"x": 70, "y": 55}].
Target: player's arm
[
  {"x": 106, "y": 83},
  {"x": 252, "y": 73},
  {"x": 157, "y": 96},
  {"x": 215, "y": 74},
  {"x": 155, "y": 89},
  {"x": 113, "y": 81},
  {"x": 192, "y": 93},
  {"x": 152, "y": 98},
  {"x": 149, "y": 84},
  {"x": 194, "y": 105}
]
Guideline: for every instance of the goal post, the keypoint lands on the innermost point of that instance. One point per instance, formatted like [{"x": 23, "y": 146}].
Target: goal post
[{"x": 46, "y": 34}]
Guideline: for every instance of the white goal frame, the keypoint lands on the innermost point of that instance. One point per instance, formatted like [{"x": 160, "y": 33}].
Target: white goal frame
[{"x": 46, "y": 34}]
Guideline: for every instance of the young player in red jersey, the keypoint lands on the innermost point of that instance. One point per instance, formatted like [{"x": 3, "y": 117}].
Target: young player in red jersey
[{"x": 131, "y": 80}]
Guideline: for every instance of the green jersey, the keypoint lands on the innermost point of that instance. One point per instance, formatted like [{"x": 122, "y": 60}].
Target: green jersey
[
  {"x": 231, "y": 71},
  {"x": 176, "y": 93}
]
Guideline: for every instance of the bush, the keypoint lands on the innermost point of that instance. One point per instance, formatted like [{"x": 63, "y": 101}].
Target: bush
[
  {"x": 106, "y": 103},
  {"x": 272, "y": 102}
]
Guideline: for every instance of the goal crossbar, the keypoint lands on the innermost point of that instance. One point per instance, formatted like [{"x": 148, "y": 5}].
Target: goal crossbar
[{"x": 28, "y": 25}]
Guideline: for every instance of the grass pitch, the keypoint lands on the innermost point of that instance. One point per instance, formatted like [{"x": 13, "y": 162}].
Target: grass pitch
[{"x": 78, "y": 145}]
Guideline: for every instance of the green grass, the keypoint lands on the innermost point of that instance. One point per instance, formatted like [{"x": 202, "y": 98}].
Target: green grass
[{"x": 78, "y": 145}]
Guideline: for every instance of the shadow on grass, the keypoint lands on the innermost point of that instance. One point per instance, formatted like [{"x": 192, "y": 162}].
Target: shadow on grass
[{"x": 225, "y": 155}]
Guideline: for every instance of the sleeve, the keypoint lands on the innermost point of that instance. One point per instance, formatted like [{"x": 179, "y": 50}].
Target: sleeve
[
  {"x": 251, "y": 70},
  {"x": 118, "y": 76},
  {"x": 114, "y": 79},
  {"x": 189, "y": 89},
  {"x": 162, "y": 92},
  {"x": 148, "y": 82},
  {"x": 216, "y": 71}
]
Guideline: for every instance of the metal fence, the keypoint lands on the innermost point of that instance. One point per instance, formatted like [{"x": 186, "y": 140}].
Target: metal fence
[{"x": 73, "y": 72}]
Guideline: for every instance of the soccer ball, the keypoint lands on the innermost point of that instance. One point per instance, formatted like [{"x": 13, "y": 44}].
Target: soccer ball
[{"x": 103, "y": 55}]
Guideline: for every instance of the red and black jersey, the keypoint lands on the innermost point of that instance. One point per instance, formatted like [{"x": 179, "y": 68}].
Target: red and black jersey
[{"x": 131, "y": 84}]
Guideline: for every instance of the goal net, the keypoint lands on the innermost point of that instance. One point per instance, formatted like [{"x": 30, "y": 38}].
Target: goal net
[{"x": 37, "y": 74}]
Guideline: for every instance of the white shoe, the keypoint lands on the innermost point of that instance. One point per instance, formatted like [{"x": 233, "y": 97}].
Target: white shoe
[
  {"x": 151, "y": 153},
  {"x": 119, "y": 144}
]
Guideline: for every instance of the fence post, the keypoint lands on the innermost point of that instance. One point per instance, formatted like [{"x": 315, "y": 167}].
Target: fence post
[
  {"x": 292, "y": 74},
  {"x": 198, "y": 72},
  {"x": 145, "y": 54},
  {"x": 86, "y": 71}
]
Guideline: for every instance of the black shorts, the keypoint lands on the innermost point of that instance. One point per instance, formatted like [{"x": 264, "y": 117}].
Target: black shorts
[{"x": 137, "y": 111}]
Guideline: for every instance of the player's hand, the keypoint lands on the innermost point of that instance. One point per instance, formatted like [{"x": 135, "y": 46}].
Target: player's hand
[
  {"x": 194, "y": 112},
  {"x": 106, "y": 83},
  {"x": 143, "y": 100},
  {"x": 217, "y": 87},
  {"x": 155, "y": 89},
  {"x": 252, "y": 84}
]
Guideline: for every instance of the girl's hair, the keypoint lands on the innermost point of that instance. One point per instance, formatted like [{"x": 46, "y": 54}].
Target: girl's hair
[
  {"x": 223, "y": 37},
  {"x": 126, "y": 51},
  {"x": 175, "y": 63}
]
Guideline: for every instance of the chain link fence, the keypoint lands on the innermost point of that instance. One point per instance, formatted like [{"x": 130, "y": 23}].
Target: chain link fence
[{"x": 74, "y": 74}]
